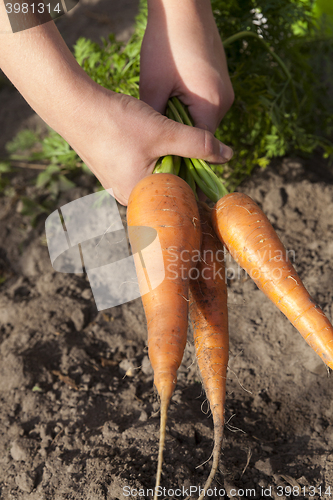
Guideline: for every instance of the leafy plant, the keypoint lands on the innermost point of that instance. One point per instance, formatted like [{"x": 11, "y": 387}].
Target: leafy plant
[
  {"x": 111, "y": 65},
  {"x": 4, "y": 169},
  {"x": 22, "y": 142},
  {"x": 279, "y": 54},
  {"x": 274, "y": 114},
  {"x": 59, "y": 166}
]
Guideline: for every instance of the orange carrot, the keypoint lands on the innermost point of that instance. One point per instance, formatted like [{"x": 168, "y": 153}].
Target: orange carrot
[
  {"x": 251, "y": 240},
  {"x": 209, "y": 314},
  {"x": 167, "y": 204}
]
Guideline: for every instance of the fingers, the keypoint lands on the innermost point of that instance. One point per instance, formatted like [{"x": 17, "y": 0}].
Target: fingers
[
  {"x": 209, "y": 113},
  {"x": 154, "y": 95},
  {"x": 193, "y": 142},
  {"x": 154, "y": 99},
  {"x": 210, "y": 121}
]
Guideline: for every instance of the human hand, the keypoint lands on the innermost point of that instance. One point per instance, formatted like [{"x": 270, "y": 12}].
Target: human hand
[
  {"x": 182, "y": 54},
  {"x": 120, "y": 139}
]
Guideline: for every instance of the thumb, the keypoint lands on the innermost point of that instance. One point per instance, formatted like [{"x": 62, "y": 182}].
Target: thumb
[{"x": 192, "y": 142}]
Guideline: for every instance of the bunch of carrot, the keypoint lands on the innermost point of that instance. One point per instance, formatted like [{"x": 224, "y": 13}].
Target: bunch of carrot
[{"x": 167, "y": 202}]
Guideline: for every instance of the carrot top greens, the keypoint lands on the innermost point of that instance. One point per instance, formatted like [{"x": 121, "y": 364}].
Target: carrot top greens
[{"x": 196, "y": 172}]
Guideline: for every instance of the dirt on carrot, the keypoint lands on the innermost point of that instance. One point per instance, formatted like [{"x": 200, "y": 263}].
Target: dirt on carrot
[
  {"x": 209, "y": 316},
  {"x": 166, "y": 204},
  {"x": 252, "y": 241}
]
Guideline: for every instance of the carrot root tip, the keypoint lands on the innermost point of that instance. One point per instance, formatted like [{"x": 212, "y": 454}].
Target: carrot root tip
[{"x": 163, "y": 421}]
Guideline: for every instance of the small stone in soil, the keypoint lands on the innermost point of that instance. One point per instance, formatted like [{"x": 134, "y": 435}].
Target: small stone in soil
[{"x": 25, "y": 481}]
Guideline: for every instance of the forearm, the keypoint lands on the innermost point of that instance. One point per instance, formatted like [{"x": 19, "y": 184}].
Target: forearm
[
  {"x": 177, "y": 9},
  {"x": 182, "y": 54},
  {"x": 40, "y": 65},
  {"x": 187, "y": 14}
]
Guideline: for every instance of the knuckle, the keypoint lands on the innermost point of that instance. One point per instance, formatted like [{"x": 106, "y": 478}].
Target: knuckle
[
  {"x": 166, "y": 136},
  {"x": 225, "y": 97},
  {"x": 229, "y": 97},
  {"x": 209, "y": 143}
]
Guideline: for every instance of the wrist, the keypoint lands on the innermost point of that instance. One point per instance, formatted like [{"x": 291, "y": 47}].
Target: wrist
[
  {"x": 183, "y": 23},
  {"x": 173, "y": 9}
]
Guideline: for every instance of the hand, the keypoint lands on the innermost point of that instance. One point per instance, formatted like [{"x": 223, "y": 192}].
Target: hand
[
  {"x": 182, "y": 55},
  {"x": 120, "y": 139}
]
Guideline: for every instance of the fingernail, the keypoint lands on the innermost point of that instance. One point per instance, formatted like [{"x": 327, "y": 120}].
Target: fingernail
[{"x": 226, "y": 152}]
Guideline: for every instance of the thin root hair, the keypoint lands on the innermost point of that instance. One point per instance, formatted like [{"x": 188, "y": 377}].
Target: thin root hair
[
  {"x": 232, "y": 428},
  {"x": 241, "y": 385},
  {"x": 249, "y": 455},
  {"x": 206, "y": 461},
  {"x": 208, "y": 407}
]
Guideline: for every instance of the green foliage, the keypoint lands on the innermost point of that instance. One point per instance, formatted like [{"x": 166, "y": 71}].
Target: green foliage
[
  {"x": 34, "y": 207},
  {"x": 280, "y": 59},
  {"x": 113, "y": 65},
  {"x": 23, "y": 141},
  {"x": 62, "y": 166},
  {"x": 30, "y": 207},
  {"x": 266, "y": 119},
  {"x": 110, "y": 65},
  {"x": 52, "y": 178},
  {"x": 58, "y": 151},
  {"x": 4, "y": 169}
]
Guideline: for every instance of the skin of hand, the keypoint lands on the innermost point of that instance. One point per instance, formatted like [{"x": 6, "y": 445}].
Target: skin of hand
[
  {"x": 119, "y": 137},
  {"x": 182, "y": 55}
]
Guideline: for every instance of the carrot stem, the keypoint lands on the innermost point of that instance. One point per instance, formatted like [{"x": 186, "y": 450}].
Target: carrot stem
[
  {"x": 203, "y": 173},
  {"x": 200, "y": 170},
  {"x": 186, "y": 175},
  {"x": 165, "y": 166},
  {"x": 176, "y": 164},
  {"x": 190, "y": 180},
  {"x": 201, "y": 182},
  {"x": 181, "y": 111},
  {"x": 174, "y": 111},
  {"x": 222, "y": 190}
]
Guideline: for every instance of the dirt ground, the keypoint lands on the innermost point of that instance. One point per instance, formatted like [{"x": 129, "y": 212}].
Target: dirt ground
[{"x": 79, "y": 415}]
